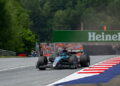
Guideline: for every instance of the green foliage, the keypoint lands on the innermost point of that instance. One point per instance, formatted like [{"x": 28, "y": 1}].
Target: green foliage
[
  {"x": 29, "y": 39},
  {"x": 14, "y": 20}
]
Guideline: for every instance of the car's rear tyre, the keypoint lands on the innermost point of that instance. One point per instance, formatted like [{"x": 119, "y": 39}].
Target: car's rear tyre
[
  {"x": 41, "y": 63},
  {"x": 74, "y": 62},
  {"x": 84, "y": 60}
]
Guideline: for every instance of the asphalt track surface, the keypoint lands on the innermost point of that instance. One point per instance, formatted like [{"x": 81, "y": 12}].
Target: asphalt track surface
[{"x": 22, "y": 72}]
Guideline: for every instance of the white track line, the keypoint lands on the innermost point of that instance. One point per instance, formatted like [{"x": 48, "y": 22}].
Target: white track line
[
  {"x": 73, "y": 76},
  {"x": 12, "y": 68}
]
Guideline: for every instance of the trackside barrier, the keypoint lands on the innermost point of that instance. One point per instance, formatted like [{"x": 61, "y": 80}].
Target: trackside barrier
[{"x": 7, "y": 53}]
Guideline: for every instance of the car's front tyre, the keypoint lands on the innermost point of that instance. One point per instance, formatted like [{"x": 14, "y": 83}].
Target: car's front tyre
[{"x": 41, "y": 63}]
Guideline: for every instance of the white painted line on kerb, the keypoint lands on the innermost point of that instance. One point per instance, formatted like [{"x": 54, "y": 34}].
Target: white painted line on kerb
[
  {"x": 73, "y": 77},
  {"x": 12, "y": 68}
]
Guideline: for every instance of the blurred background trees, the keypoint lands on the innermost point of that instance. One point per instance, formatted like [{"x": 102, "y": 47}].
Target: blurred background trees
[{"x": 14, "y": 23}]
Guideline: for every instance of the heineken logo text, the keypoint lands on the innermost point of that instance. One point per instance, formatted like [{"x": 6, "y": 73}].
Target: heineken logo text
[{"x": 93, "y": 36}]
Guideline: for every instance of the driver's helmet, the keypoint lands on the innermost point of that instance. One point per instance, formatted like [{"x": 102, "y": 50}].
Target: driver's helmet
[{"x": 64, "y": 50}]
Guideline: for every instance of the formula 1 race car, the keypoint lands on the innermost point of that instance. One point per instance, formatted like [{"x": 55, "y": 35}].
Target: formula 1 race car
[{"x": 65, "y": 59}]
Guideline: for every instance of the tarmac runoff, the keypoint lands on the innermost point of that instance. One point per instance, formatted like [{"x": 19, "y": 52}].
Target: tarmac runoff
[{"x": 105, "y": 73}]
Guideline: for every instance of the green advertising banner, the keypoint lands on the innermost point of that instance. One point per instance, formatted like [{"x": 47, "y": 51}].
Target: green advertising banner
[{"x": 86, "y": 36}]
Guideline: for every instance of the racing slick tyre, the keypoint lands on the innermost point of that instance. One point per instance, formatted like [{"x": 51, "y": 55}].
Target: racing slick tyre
[
  {"x": 41, "y": 63},
  {"x": 74, "y": 62},
  {"x": 84, "y": 60}
]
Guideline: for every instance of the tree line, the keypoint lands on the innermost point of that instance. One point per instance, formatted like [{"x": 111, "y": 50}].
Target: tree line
[
  {"x": 15, "y": 33},
  {"x": 23, "y": 22}
]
